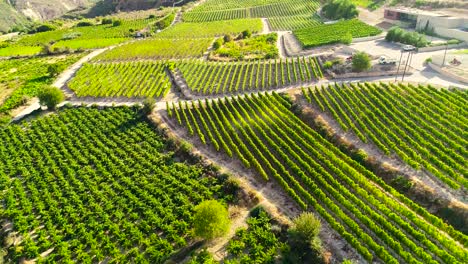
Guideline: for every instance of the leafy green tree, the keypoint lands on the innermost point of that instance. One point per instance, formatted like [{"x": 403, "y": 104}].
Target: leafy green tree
[
  {"x": 211, "y": 220},
  {"x": 304, "y": 242},
  {"x": 148, "y": 105},
  {"x": 361, "y": 61},
  {"x": 340, "y": 9},
  {"x": 50, "y": 96},
  {"x": 53, "y": 70},
  {"x": 117, "y": 23},
  {"x": 246, "y": 34}
]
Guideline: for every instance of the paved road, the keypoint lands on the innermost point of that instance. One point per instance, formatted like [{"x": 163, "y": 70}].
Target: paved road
[{"x": 422, "y": 74}]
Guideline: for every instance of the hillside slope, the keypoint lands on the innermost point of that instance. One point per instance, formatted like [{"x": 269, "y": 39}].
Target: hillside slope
[{"x": 9, "y": 16}]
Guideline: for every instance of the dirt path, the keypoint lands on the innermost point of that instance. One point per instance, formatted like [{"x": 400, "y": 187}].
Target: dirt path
[
  {"x": 266, "y": 26},
  {"x": 270, "y": 194},
  {"x": 61, "y": 81}
]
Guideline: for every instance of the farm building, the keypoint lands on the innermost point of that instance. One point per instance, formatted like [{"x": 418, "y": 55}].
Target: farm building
[{"x": 442, "y": 24}]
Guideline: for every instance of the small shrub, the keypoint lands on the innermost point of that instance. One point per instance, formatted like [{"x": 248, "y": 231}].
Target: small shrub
[
  {"x": 50, "y": 97},
  {"x": 218, "y": 44},
  {"x": 117, "y": 23},
  {"x": 428, "y": 60},
  {"x": 148, "y": 105},
  {"x": 151, "y": 16},
  {"x": 72, "y": 35},
  {"x": 246, "y": 34},
  {"x": 53, "y": 70},
  {"x": 106, "y": 21},
  {"x": 44, "y": 28},
  {"x": 84, "y": 24},
  {"x": 227, "y": 38},
  {"x": 328, "y": 65}
]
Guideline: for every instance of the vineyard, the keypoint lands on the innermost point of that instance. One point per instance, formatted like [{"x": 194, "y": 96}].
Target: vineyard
[
  {"x": 88, "y": 185},
  {"x": 286, "y": 15},
  {"x": 334, "y": 33},
  {"x": 19, "y": 79},
  {"x": 132, "y": 79},
  {"x": 425, "y": 127},
  {"x": 76, "y": 44},
  {"x": 378, "y": 222},
  {"x": 15, "y": 50},
  {"x": 157, "y": 49},
  {"x": 212, "y": 29},
  {"x": 219, "y": 78}
]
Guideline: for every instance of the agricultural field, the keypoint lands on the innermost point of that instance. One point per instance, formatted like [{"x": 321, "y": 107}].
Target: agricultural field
[
  {"x": 263, "y": 134},
  {"x": 295, "y": 22},
  {"x": 287, "y": 15},
  {"x": 87, "y": 44},
  {"x": 425, "y": 127},
  {"x": 88, "y": 185},
  {"x": 131, "y": 79},
  {"x": 13, "y": 51},
  {"x": 19, "y": 80},
  {"x": 211, "y": 29},
  {"x": 157, "y": 48},
  {"x": 222, "y": 78},
  {"x": 334, "y": 33},
  {"x": 250, "y": 48}
]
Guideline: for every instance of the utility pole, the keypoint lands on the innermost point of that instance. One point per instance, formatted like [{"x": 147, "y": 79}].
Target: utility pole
[
  {"x": 406, "y": 64},
  {"x": 445, "y": 54},
  {"x": 399, "y": 63}
]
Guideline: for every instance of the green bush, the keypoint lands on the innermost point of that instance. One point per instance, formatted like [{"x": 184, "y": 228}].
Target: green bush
[
  {"x": 227, "y": 38},
  {"x": 50, "y": 97},
  {"x": 148, "y": 105},
  {"x": 218, "y": 44},
  {"x": 327, "y": 64},
  {"x": 210, "y": 220},
  {"x": 396, "y": 34},
  {"x": 84, "y": 24},
  {"x": 43, "y": 28},
  {"x": 361, "y": 62},
  {"x": 106, "y": 21},
  {"x": 117, "y": 23},
  {"x": 246, "y": 34}
]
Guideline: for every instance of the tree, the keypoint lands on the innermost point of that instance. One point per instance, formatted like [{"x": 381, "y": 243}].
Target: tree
[
  {"x": 117, "y": 23},
  {"x": 211, "y": 220},
  {"x": 340, "y": 9},
  {"x": 305, "y": 244},
  {"x": 246, "y": 34},
  {"x": 53, "y": 70},
  {"x": 148, "y": 105},
  {"x": 50, "y": 97},
  {"x": 361, "y": 61},
  {"x": 106, "y": 21},
  {"x": 227, "y": 38}
]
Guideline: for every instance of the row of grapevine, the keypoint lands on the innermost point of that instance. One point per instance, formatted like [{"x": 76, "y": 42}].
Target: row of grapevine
[
  {"x": 131, "y": 79},
  {"x": 90, "y": 32},
  {"x": 217, "y": 77},
  {"x": 334, "y": 33},
  {"x": 93, "y": 186},
  {"x": 212, "y": 28},
  {"x": 394, "y": 118},
  {"x": 285, "y": 15},
  {"x": 157, "y": 48},
  {"x": 372, "y": 217},
  {"x": 293, "y": 22}
]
